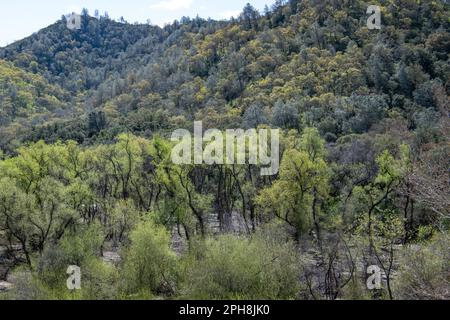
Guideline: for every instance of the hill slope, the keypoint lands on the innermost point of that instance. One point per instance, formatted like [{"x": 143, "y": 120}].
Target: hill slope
[
  {"x": 76, "y": 59},
  {"x": 301, "y": 63},
  {"x": 27, "y": 99}
]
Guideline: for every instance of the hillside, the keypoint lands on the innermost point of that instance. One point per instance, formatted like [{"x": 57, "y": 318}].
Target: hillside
[
  {"x": 27, "y": 100},
  {"x": 320, "y": 61},
  {"x": 77, "y": 60}
]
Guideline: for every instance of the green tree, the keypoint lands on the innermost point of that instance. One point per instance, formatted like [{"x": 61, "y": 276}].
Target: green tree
[
  {"x": 149, "y": 263},
  {"x": 303, "y": 179}
]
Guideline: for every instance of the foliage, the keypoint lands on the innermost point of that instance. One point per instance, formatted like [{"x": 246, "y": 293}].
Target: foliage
[
  {"x": 85, "y": 155},
  {"x": 149, "y": 264},
  {"x": 424, "y": 272},
  {"x": 236, "y": 268}
]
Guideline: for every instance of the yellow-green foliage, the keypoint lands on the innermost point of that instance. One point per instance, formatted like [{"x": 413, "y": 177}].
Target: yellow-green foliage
[
  {"x": 425, "y": 271},
  {"x": 150, "y": 264},
  {"x": 23, "y": 93},
  {"x": 232, "y": 267}
]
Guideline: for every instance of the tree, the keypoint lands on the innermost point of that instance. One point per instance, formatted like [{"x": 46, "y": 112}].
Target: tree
[
  {"x": 285, "y": 115},
  {"x": 303, "y": 179},
  {"x": 367, "y": 111},
  {"x": 14, "y": 211},
  {"x": 250, "y": 17},
  {"x": 149, "y": 267},
  {"x": 426, "y": 94},
  {"x": 381, "y": 222},
  {"x": 96, "y": 123},
  {"x": 381, "y": 67},
  {"x": 34, "y": 219},
  {"x": 254, "y": 116}
]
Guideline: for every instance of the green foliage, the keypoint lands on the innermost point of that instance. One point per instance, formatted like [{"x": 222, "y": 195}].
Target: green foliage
[
  {"x": 231, "y": 267},
  {"x": 303, "y": 178},
  {"x": 85, "y": 157},
  {"x": 424, "y": 271},
  {"x": 80, "y": 248},
  {"x": 150, "y": 264},
  {"x": 331, "y": 72},
  {"x": 26, "y": 99},
  {"x": 285, "y": 115},
  {"x": 24, "y": 94}
]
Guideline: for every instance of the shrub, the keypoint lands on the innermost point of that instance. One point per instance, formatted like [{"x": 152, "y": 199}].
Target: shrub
[
  {"x": 149, "y": 263},
  {"x": 232, "y": 267},
  {"x": 424, "y": 272},
  {"x": 80, "y": 248}
]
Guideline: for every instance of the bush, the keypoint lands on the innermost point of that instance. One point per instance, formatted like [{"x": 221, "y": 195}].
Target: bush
[
  {"x": 149, "y": 263},
  {"x": 232, "y": 267},
  {"x": 26, "y": 286},
  {"x": 424, "y": 273},
  {"x": 99, "y": 281},
  {"x": 48, "y": 280}
]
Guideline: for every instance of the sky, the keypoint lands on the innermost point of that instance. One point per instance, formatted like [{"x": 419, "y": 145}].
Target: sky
[{"x": 20, "y": 18}]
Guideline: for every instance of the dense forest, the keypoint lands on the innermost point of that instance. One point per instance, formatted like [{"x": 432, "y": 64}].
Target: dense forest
[{"x": 86, "y": 176}]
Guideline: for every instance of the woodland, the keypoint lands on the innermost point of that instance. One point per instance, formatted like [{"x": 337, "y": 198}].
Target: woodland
[{"x": 86, "y": 176}]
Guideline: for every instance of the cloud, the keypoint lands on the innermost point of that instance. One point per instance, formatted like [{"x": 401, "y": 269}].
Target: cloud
[{"x": 172, "y": 5}]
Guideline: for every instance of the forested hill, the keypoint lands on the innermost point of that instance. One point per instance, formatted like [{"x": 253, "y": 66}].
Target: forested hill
[
  {"x": 299, "y": 63},
  {"x": 77, "y": 59},
  {"x": 27, "y": 100},
  {"x": 308, "y": 58}
]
